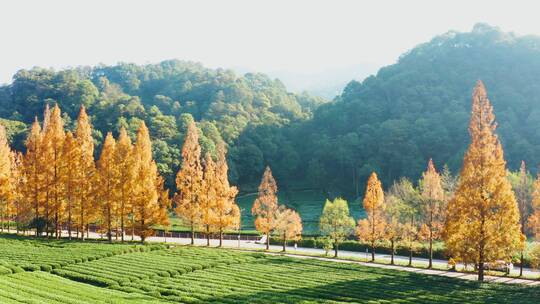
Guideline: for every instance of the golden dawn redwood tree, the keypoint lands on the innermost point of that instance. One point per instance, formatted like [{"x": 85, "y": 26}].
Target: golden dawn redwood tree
[
  {"x": 226, "y": 211},
  {"x": 86, "y": 172},
  {"x": 483, "y": 218},
  {"x": 208, "y": 195},
  {"x": 126, "y": 174},
  {"x": 371, "y": 229},
  {"x": 108, "y": 183},
  {"x": 53, "y": 146},
  {"x": 288, "y": 225},
  {"x": 71, "y": 162},
  {"x": 32, "y": 171},
  {"x": 265, "y": 206},
  {"x": 432, "y": 205},
  {"x": 336, "y": 222},
  {"x": 147, "y": 210},
  {"x": 6, "y": 186},
  {"x": 189, "y": 181},
  {"x": 22, "y": 209}
]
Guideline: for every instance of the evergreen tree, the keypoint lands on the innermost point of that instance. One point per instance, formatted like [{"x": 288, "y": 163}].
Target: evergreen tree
[
  {"x": 189, "y": 181},
  {"x": 483, "y": 216},
  {"x": 372, "y": 228},
  {"x": 265, "y": 206}
]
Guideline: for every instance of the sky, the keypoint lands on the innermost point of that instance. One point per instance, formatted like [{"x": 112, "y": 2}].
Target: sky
[{"x": 302, "y": 38}]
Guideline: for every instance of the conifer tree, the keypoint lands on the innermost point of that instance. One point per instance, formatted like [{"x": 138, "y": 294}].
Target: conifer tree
[
  {"x": 208, "y": 197},
  {"x": 483, "y": 218},
  {"x": 86, "y": 172},
  {"x": 371, "y": 229},
  {"x": 32, "y": 170},
  {"x": 227, "y": 213},
  {"x": 5, "y": 178},
  {"x": 288, "y": 225},
  {"x": 265, "y": 206},
  {"x": 189, "y": 181},
  {"x": 147, "y": 210},
  {"x": 21, "y": 208},
  {"x": 53, "y": 142},
  {"x": 433, "y": 208},
  {"x": 336, "y": 222},
  {"x": 126, "y": 174},
  {"x": 108, "y": 183},
  {"x": 71, "y": 159}
]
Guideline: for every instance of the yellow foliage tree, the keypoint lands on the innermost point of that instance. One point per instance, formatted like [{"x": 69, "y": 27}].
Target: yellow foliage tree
[
  {"x": 208, "y": 196},
  {"x": 147, "y": 210},
  {"x": 371, "y": 229},
  {"x": 108, "y": 183},
  {"x": 32, "y": 171},
  {"x": 71, "y": 159},
  {"x": 126, "y": 173},
  {"x": 288, "y": 225},
  {"x": 482, "y": 218},
  {"x": 86, "y": 172},
  {"x": 265, "y": 206},
  {"x": 189, "y": 181},
  {"x": 433, "y": 207},
  {"x": 6, "y": 186},
  {"x": 226, "y": 211},
  {"x": 53, "y": 142}
]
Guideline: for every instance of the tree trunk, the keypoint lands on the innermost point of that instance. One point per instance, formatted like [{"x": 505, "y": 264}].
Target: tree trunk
[
  {"x": 392, "y": 253},
  {"x": 284, "y": 242},
  {"x": 56, "y": 225},
  {"x": 122, "y": 225},
  {"x": 373, "y": 251},
  {"x": 430, "y": 265},
  {"x": 192, "y": 234},
  {"x": 220, "y": 237},
  {"x": 109, "y": 225},
  {"x": 267, "y": 241},
  {"x": 521, "y": 264},
  {"x": 481, "y": 271},
  {"x": 335, "y": 249},
  {"x": 208, "y": 235},
  {"x": 410, "y": 255}
]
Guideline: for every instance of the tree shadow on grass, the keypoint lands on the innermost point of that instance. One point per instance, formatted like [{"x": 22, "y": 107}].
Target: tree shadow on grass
[{"x": 383, "y": 285}]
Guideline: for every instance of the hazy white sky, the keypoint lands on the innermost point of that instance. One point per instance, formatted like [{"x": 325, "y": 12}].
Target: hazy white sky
[{"x": 297, "y": 36}]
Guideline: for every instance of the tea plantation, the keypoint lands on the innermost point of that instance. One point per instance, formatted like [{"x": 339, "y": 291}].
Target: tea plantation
[{"x": 40, "y": 271}]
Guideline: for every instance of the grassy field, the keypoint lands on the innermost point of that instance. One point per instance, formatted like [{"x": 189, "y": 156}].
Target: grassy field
[{"x": 164, "y": 274}]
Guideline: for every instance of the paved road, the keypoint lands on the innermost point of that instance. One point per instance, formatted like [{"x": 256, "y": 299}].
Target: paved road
[{"x": 358, "y": 256}]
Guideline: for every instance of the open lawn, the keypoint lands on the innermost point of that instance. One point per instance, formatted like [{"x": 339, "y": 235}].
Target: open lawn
[{"x": 179, "y": 274}]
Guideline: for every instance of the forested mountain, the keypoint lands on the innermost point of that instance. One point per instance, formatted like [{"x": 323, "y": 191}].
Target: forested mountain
[
  {"x": 419, "y": 108},
  {"x": 392, "y": 122},
  {"x": 165, "y": 96}
]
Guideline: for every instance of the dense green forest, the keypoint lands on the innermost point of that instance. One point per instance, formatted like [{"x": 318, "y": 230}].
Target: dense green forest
[{"x": 392, "y": 122}]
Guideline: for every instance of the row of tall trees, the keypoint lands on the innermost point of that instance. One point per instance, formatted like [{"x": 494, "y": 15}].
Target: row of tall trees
[
  {"x": 205, "y": 199},
  {"x": 478, "y": 216},
  {"x": 272, "y": 218},
  {"x": 57, "y": 184}
]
